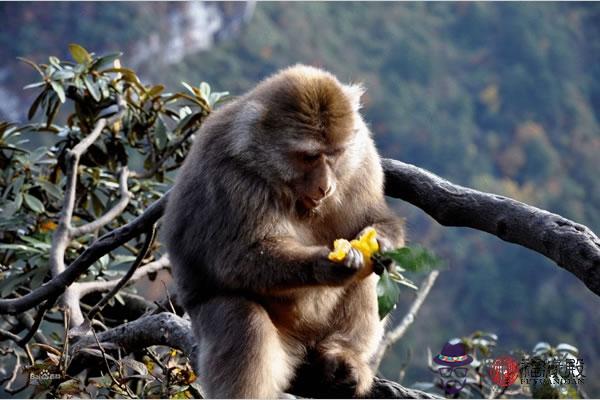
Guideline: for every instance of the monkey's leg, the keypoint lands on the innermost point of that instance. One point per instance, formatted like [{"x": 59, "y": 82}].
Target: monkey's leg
[
  {"x": 240, "y": 354},
  {"x": 339, "y": 365}
]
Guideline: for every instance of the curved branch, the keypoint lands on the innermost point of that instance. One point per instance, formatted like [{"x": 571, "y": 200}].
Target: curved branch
[
  {"x": 572, "y": 246},
  {"x": 395, "y": 334},
  {"x": 86, "y": 288},
  {"x": 111, "y": 214},
  {"x": 100, "y": 247},
  {"x": 150, "y": 236}
]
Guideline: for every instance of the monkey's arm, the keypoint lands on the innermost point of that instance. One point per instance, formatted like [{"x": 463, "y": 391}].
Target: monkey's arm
[
  {"x": 276, "y": 265},
  {"x": 389, "y": 227}
]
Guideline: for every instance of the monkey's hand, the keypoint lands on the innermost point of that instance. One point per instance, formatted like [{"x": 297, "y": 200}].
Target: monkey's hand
[
  {"x": 378, "y": 243},
  {"x": 338, "y": 272}
]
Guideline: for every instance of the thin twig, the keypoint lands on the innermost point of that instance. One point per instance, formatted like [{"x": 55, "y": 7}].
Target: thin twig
[
  {"x": 140, "y": 257},
  {"x": 112, "y": 377},
  {"x": 13, "y": 377},
  {"x": 395, "y": 334},
  {"x": 111, "y": 214},
  {"x": 38, "y": 320},
  {"x": 167, "y": 154},
  {"x": 6, "y": 335},
  {"x": 169, "y": 298},
  {"x": 104, "y": 245},
  {"x": 29, "y": 322},
  {"x": 86, "y": 288}
]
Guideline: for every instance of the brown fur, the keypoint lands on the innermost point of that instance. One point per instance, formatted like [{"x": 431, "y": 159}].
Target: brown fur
[{"x": 249, "y": 248}]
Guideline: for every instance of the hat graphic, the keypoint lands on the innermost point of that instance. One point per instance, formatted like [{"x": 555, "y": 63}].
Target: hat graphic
[{"x": 453, "y": 355}]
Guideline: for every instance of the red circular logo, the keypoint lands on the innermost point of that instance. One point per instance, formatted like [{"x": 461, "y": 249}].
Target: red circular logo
[{"x": 504, "y": 371}]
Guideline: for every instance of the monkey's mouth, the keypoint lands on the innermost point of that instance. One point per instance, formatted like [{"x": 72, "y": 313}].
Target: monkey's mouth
[{"x": 310, "y": 203}]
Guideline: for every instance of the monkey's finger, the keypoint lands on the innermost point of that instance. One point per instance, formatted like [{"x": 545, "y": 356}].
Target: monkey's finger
[
  {"x": 357, "y": 259},
  {"x": 384, "y": 244}
]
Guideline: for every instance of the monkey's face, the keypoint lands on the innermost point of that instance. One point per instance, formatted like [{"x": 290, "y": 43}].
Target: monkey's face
[{"x": 313, "y": 174}]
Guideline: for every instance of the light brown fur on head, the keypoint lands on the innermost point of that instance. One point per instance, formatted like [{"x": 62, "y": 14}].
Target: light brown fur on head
[
  {"x": 308, "y": 101},
  {"x": 271, "y": 180}
]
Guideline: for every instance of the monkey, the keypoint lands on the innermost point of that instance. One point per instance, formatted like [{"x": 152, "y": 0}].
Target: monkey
[{"x": 273, "y": 177}]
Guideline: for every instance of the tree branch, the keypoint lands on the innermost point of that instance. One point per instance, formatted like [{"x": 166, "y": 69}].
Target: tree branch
[
  {"x": 168, "y": 329},
  {"x": 150, "y": 235},
  {"x": 167, "y": 154},
  {"x": 63, "y": 233},
  {"x": 111, "y": 214},
  {"x": 558, "y": 238},
  {"x": 86, "y": 288},
  {"x": 570, "y": 245},
  {"x": 395, "y": 334},
  {"x": 100, "y": 247},
  {"x": 165, "y": 329}
]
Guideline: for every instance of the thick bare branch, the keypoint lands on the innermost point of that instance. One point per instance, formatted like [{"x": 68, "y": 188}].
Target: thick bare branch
[
  {"x": 395, "y": 334},
  {"x": 165, "y": 329},
  {"x": 86, "y": 288},
  {"x": 572, "y": 246},
  {"x": 111, "y": 214}
]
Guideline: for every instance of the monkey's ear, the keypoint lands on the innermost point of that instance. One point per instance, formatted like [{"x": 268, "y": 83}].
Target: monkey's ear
[{"x": 354, "y": 92}]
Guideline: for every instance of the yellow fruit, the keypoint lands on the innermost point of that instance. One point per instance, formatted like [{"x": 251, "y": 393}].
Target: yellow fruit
[
  {"x": 366, "y": 244},
  {"x": 341, "y": 247}
]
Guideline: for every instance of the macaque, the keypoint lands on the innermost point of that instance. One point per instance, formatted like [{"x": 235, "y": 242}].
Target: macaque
[{"x": 272, "y": 179}]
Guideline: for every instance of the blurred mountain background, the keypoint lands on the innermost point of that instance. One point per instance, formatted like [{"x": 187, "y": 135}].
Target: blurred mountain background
[{"x": 502, "y": 97}]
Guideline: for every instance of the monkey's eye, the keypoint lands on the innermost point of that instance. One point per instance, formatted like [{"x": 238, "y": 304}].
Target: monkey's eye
[{"x": 310, "y": 158}]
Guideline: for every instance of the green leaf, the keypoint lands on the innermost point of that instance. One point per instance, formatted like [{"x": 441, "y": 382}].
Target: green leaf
[
  {"x": 93, "y": 89},
  {"x": 155, "y": 91},
  {"x": 34, "y": 85},
  {"x": 108, "y": 59},
  {"x": 79, "y": 54},
  {"x": 55, "y": 62},
  {"x": 60, "y": 91},
  {"x": 36, "y": 103},
  {"x": 38, "y": 244},
  {"x": 11, "y": 208},
  {"x": 51, "y": 189},
  {"x": 567, "y": 348},
  {"x": 205, "y": 90},
  {"x": 216, "y": 97},
  {"x": 189, "y": 87},
  {"x": 160, "y": 133},
  {"x": 33, "y": 203},
  {"x": 8, "y": 285},
  {"x": 63, "y": 74},
  {"x": 414, "y": 259},
  {"x": 387, "y": 294},
  {"x": 18, "y": 247}
]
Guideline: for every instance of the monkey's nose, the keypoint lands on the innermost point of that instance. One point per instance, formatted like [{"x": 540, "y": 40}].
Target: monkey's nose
[{"x": 327, "y": 191}]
